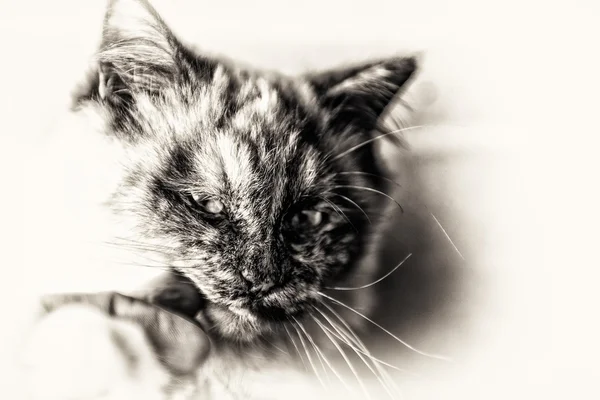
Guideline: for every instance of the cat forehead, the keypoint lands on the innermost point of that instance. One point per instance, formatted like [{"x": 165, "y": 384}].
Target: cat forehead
[
  {"x": 227, "y": 136},
  {"x": 224, "y": 162},
  {"x": 228, "y": 94},
  {"x": 233, "y": 161}
]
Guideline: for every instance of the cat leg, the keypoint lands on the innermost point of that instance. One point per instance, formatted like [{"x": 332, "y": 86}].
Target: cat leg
[{"x": 111, "y": 346}]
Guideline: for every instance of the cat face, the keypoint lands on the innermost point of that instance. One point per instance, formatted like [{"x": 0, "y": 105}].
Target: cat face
[{"x": 258, "y": 187}]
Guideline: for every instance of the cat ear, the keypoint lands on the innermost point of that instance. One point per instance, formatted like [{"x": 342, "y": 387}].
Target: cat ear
[
  {"x": 138, "y": 51},
  {"x": 358, "y": 95}
]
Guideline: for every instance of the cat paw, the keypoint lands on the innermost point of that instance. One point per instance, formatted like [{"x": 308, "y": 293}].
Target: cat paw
[{"x": 110, "y": 346}]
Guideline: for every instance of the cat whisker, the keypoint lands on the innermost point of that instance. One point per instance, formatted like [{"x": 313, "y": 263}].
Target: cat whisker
[
  {"x": 320, "y": 355},
  {"x": 296, "y": 347},
  {"x": 120, "y": 241},
  {"x": 190, "y": 260},
  {"x": 423, "y": 353},
  {"x": 354, "y": 203},
  {"x": 267, "y": 347},
  {"x": 135, "y": 264},
  {"x": 130, "y": 240},
  {"x": 156, "y": 264},
  {"x": 314, "y": 368},
  {"x": 152, "y": 262},
  {"x": 377, "y": 363},
  {"x": 340, "y": 212},
  {"x": 134, "y": 247},
  {"x": 144, "y": 257},
  {"x": 331, "y": 367},
  {"x": 359, "y": 343},
  {"x": 273, "y": 345},
  {"x": 335, "y": 372},
  {"x": 374, "y": 282},
  {"x": 370, "y": 174},
  {"x": 141, "y": 251},
  {"x": 344, "y": 356},
  {"x": 447, "y": 236},
  {"x": 366, "y": 142},
  {"x": 342, "y": 336},
  {"x": 368, "y": 189}
]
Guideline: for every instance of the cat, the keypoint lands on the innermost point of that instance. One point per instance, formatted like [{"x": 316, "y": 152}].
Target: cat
[{"x": 266, "y": 192}]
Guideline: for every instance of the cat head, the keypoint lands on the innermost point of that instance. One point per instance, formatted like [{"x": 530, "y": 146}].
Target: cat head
[{"x": 261, "y": 188}]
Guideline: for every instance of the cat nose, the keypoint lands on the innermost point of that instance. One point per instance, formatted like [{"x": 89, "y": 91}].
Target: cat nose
[{"x": 257, "y": 285}]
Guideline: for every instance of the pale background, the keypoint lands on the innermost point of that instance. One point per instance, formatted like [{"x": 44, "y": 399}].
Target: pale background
[{"x": 515, "y": 144}]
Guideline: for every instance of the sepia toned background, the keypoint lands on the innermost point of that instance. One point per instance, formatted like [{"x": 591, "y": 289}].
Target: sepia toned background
[{"x": 507, "y": 165}]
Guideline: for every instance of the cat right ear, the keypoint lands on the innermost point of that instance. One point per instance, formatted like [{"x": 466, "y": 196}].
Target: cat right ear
[
  {"x": 138, "y": 51},
  {"x": 358, "y": 95}
]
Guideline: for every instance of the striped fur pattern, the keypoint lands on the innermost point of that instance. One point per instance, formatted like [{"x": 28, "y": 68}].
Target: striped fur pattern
[
  {"x": 260, "y": 189},
  {"x": 265, "y": 147}
]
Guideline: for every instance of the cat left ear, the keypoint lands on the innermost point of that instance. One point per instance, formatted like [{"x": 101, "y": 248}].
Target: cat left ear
[
  {"x": 359, "y": 94},
  {"x": 138, "y": 51}
]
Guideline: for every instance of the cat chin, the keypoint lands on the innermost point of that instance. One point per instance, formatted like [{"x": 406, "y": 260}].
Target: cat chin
[{"x": 235, "y": 324}]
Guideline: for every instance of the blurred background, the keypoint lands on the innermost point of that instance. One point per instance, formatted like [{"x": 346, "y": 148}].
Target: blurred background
[{"x": 507, "y": 166}]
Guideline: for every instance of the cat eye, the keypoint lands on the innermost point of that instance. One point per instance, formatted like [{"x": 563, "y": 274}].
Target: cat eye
[
  {"x": 207, "y": 205},
  {"x": 307, "y": 219}
]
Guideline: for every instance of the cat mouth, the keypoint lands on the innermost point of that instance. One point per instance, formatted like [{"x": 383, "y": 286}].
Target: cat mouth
[
  {"x": 180, "y": 295},
  {"x": 177, "y": 294},
  {"x": 243, "y": 322}
]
